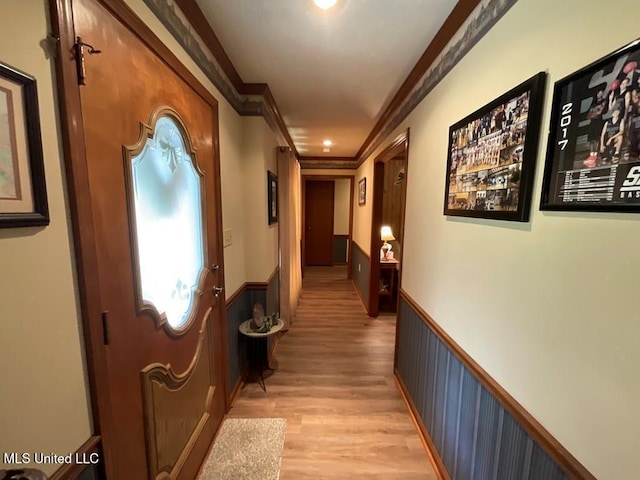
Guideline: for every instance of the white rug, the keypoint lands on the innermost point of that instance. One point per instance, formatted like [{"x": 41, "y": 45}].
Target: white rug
[{"x": 246, "y": 449}]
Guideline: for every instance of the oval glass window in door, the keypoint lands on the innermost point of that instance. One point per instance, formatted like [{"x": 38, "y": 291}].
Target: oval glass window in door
[{"x": 165, "y": 201}]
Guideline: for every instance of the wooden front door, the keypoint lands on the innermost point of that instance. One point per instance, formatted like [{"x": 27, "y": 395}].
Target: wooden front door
[
  {"x": 318, "y": 220},
  {"x": 152, "y": 259}
]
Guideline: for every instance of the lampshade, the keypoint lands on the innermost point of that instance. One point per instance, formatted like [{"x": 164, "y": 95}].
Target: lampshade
[{"x": 385, "y": 234}]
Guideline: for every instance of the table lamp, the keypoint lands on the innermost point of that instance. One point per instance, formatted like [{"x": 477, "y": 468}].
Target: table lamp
[{"x": 386, "y": 236}]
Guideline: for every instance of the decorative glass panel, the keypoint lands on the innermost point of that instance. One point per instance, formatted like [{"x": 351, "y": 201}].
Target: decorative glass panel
[{"x": 169, "y": 229}]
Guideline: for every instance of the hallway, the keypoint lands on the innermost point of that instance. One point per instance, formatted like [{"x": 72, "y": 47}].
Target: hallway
[{"x": 334, "y": 384}]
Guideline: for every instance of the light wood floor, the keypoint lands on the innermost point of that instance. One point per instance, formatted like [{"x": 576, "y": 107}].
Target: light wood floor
[{"x": 334, "y": 384}]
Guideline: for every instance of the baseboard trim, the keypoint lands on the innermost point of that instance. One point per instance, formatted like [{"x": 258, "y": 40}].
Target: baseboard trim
[
  {"x": 87, "y": 452},
  {"x": 427, "y": 443},
  {"x": 534, "y": 429},
  {"x": 250, "y": 286}
]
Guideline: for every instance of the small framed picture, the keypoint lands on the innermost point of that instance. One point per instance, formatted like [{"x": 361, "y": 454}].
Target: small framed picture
[
  {"x": 492, "y": 155},
  {"x": 23, "y": 194},
  {"x": 272, "y": 198},
  {"x": 362, "y": 191},
  {"x": 593, "y": 153}
]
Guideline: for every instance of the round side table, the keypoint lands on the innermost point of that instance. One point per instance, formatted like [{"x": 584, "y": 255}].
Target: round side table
[{"x": 257, "y": 348}]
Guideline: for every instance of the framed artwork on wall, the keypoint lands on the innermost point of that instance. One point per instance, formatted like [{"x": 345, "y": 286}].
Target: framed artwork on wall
[
  {"x": 492, "y": 155},
  {"x": 272, "y": 198},
  {"x": 593, "y": 153},
  {"x": 23, "y": 194},
  {"x": 362, "y": 191}
]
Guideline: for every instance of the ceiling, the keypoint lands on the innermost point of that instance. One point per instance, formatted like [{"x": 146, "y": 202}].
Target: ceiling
[{"x": 332, "y": 73}]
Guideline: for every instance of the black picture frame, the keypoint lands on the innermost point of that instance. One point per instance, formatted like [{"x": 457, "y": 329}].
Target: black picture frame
[
  {"x": 492, "y": 154},
  {"x": 362, "y": 191},
  {"x": 23, "y": 193},
  {"x": 589, "y": 165},
  {"x": 272, "y": 198}
]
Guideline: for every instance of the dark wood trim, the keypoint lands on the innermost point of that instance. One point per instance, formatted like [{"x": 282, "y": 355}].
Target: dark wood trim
[
  {"x": 250, "y": 286},
  {"x": 229, "y": 301},
  {"x": 238, "y": 386},
  {"x": 269, "y": 100},
  {"x": 329, "y": 159},
  {"x": 376, "y": 223},
  {"x": 355, "y": 244},
  {"x": 429, "y": 447},
  {"x": 399, "y": 146},
  {"x": 89, "y": 289},
  {"x": 454, "y": 21},
  {"x": 303, "y": 180},
  {"x": 198, "y": 21},
  {"x": 87, "y": 452},
  {"x": 352, "y": 194},
  {"x": 201, "y": 25},
  {"x": 534, "y": 429}
]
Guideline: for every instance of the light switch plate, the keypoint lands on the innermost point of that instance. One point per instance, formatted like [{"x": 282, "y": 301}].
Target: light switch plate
[{"x": 227, "y": 237}]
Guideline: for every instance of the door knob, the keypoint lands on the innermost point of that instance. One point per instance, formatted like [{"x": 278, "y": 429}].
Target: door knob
[{"x": 217, "y": 291}]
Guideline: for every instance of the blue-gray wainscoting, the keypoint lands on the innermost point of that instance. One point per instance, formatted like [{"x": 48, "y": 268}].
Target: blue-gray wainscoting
[
  {"x": 360, "y": 272},
  {"x": 340, "y": 249},
  {"x": 475, "y": 437},
  {"x": 241, "y": 309}
]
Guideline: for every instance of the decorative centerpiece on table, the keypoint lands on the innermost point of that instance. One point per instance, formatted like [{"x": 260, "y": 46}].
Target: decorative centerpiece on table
[{"x": 262, "y": 323}]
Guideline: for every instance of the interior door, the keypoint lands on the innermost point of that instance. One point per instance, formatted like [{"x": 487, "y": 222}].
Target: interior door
[
  {"x": 151, "y": 160},
  {"x": 318, "y": 218}
]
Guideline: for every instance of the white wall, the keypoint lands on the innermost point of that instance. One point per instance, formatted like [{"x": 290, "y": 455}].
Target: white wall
[
  {"x": 44, "y": 402},
  {"x": 548, "y": 308},
  {"x": 341, "y": 204}
]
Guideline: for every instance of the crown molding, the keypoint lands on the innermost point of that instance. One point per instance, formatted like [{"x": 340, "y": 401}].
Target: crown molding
[
  {"x": 188, "y": 25},
  {"x": 468, "y": 22}
]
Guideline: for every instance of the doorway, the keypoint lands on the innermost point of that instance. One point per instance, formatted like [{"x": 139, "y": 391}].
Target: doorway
[
  {"x": 328, "y": 220},
  {"x": 388, "y": 210},
  {"x": 143, "y": 169}
]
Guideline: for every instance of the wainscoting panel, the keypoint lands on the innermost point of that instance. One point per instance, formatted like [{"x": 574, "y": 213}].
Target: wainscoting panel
[
  {"x": 360, "y": 276},
  {"x": 474, "y": 435},
  {"x": 340, "y": 249}
]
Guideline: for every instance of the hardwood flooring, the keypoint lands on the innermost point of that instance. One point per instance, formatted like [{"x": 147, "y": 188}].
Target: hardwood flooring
[{"x": 334, "y": 384}]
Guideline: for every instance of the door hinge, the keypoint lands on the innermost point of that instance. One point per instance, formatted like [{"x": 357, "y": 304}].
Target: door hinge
[
  {"x": 106, "y": 337},
  {"x": 78, "y": 48}
]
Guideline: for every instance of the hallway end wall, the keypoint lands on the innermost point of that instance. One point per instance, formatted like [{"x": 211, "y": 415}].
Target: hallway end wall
[{"x": 544, "y": 307}]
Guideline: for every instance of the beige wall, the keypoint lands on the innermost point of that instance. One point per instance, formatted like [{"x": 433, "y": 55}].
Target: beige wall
[
  {"x": 341, "y": 204},
  {"x": 44, "y": 402},
  {"x": 547, "y": 307},
  {"x": 362, "y": 213},
  {"x": 259, "y": 156},
  {"x": 42, "y": 412}
]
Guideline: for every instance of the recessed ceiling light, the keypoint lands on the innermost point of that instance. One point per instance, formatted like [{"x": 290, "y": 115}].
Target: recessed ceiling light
[
  {"x": 327, "y": 143},
  {"x": 326, "y": 150},
  {"x": 325, "y": 4}
]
